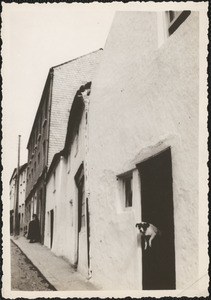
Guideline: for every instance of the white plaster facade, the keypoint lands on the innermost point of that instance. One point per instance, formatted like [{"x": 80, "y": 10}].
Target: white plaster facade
[
  {"x": 21, "y": 198},
  {"x": 62, "y": 198},
  {"x": 144, "y": 99},
  {"x": 144, "y": 102}
]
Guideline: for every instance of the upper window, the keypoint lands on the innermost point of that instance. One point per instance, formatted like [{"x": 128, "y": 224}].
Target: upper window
[
  {"x": 76, "y": 142},
  {"x": 175, "y": 19},
  {"x": 46, "y": 108},
  {"x": 54, "y": 181},
  {"x": 40, "y": 125},
  {"x": 126, "y": 185},
  {"x": 68, "y": 163},
  {"x": 79, "y": 180},
  {"x": 128, "y": 190}
]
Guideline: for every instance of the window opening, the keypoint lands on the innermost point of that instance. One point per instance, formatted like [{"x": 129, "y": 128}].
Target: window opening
[
  {"x": 79, "y": 179},
  {"x": 175, "y": 19},
  {"x": 128, "y": 191},
  {"x": 158, "y": 261},
  {"x": 54, "y": 181},
  {"x": 126, "y": 188}
]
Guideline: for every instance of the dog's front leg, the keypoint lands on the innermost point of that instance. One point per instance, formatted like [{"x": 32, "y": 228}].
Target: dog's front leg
[
  {"x": 145, "y": 244},
  {"x": 151, "y": 239}
]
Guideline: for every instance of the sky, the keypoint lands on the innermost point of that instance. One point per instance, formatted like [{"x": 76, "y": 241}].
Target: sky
[{"x": 35, "y": 38}]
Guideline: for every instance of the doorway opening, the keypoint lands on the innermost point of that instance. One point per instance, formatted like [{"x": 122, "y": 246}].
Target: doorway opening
[
  {"x": 158, "y": 261},
  {"x": 79, "y": 180},
  {"x": 51, "y": 227}
]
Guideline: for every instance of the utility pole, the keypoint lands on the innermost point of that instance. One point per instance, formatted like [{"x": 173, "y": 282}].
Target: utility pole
[{"x": 16, "y": 219}]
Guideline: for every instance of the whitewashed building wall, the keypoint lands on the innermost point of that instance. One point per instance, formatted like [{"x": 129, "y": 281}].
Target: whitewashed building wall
[{"x": 144, "y": 100}]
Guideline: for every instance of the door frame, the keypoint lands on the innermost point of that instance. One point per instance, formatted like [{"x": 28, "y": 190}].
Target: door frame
[
  {"x": 79, "y": 180},
  {"x": 51, "y": 227},
  {"x": 139, "y": 165}
]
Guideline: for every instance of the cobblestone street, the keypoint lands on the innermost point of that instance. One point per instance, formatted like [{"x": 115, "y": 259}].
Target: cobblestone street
[{"x": 24, "y": 276}]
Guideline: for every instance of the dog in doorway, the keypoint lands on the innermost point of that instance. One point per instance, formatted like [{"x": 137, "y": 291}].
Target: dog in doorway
[{"x": 149, "y": 232}]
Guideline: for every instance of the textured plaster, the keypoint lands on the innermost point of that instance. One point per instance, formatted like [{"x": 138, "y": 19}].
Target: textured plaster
[
  {"x": 64, "y": 200},
  {"x": 143, "y": 98}
]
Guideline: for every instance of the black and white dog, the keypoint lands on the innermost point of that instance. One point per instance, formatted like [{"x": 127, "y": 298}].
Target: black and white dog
[{"x": 149, "y": 232}]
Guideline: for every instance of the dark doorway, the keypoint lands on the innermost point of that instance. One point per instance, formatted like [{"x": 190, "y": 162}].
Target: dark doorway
[
  {"x": 19, "y": 223},
  {"x": 81, "y": 205},
  {"x": 11, "y": 222},
  {"x": 88, "y": 233},
  {"x": 51, "y": 225},
  {"x": 157, "y": 209},
  {"x": 41, "y": 213},
  {"x": 79, "y": 180}
]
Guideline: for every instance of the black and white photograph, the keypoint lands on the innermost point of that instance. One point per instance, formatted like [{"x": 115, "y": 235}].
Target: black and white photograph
[{"x": 104, "y": 150}]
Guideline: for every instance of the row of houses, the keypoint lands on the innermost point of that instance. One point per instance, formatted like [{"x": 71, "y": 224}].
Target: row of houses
[
  {"x": 21, "y": 203},
  {"x": 114, "y": 143}
]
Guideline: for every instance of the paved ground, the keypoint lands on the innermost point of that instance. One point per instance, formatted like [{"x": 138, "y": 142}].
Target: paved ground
[
  {"x": 24, "y": 276},
  {"x": 56, "y": 270}
]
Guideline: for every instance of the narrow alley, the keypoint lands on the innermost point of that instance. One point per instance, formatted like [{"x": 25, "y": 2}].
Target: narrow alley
[{"x": 25, "y": 276}]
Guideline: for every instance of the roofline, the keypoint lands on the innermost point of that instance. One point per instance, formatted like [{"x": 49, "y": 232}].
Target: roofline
[
  {"x": 21, "y": 169},
  {"x": 12, "y": 175},
  {"x": 76, "y": 104},
  {"x": 50, "y": 73},
  {"x": 54, "y": 163},
  {"x": 100, "y": 49}
]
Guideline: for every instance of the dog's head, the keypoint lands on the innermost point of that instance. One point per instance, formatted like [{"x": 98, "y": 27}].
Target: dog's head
[{"x": 142, "y": 226}]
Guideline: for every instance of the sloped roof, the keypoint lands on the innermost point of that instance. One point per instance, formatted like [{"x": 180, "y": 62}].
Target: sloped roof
[
  {"x": 46, "y": 86},
  {"x": 67, "y": 79},
  {"x": 74, "y": 119},
  {"x": 79, "y": 57},
  {"x": 21, "y": 169}
]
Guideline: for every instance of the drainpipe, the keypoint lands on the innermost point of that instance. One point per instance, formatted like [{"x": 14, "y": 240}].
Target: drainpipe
[
  {"x": 51, "y": 73},
  {"x": 85, "y": 95},
  {"x": 16, "y": 207}
]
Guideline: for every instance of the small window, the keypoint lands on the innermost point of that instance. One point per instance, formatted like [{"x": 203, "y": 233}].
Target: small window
[
  {"x": 175, "y": 19},
  {"x": 54, "y": 181},
  {"x": 40, "y": 126},
  {"x": 68, "y": 163},
  {"x": 46, "y": 108},
  {"x": 128, "y": 190},
  {"x": 35, "y": 138},
  {"x": 76, "y": 142},
  {"x": 44, "y": 149},
  {"x": 79, "y": 180}
]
